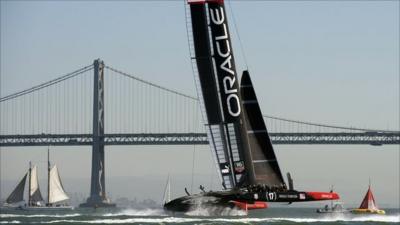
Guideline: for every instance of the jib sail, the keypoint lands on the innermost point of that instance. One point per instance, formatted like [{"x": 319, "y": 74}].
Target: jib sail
[{"x": 18, "y": 194}]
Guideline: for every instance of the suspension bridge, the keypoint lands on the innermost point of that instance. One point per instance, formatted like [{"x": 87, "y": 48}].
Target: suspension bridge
[
  {"x": 99, "y": 105},
  {"x": 133, "y": 111}
]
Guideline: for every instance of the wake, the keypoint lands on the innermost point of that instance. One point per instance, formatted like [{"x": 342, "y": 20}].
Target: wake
[
  {"x": 178, "y": 220},
  {"x": 137, "y": 212},
  {"x": 39, "y": 215},
  {"x": 215, "y": 211}
]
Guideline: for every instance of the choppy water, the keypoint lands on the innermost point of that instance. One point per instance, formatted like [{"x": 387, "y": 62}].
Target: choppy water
[{"x": 275, "y": 216}]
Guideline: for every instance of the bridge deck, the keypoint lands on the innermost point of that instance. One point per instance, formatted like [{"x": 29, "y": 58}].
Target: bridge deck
[{"x": 370, "y": 138}]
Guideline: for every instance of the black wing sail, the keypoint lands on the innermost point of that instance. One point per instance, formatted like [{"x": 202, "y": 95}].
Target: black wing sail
[
  {"x": 215, "y": 72},
  {"x": 18, "y": 194},
  {"x": 263, "y": 167}
]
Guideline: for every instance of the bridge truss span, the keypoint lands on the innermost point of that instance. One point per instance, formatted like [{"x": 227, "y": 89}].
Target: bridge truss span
[{"x": 369, "y": 138}]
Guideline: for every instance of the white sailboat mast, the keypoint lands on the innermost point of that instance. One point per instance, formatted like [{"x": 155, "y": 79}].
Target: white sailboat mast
[{"x": 30, "y": 186}]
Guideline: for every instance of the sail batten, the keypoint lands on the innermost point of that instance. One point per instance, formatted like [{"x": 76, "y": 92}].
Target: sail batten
[
  {"x": 56, "y": 192},
  {"x": 18, "y": 193}
]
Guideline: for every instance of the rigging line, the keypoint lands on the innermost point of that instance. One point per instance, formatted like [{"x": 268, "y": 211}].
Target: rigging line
[
  {"x": 149, "y": 109},
  {"x": 19, "y": 107},
  {"x": 160, "y": 109},
  {"x": 84, "y": 106},
  {"x": 133, "y": 103},
  {"x": 65, "y": 106},
  {"x": 8, "y": 107},
  {"x": 68, "y": 109},
  {"x": 53, "y": 110},
  {"x": 83, "y": 112},
  {"x": 123, "y": 103},
  {"x": 32, "y": 113},
  {"x": 120, "y": 105},
  {"x": 238, "y": 35},
  {"x": 76, "y": 103},
  {"x": 61, "y": 106},
  {"x": 46, "y": 84},
  {"x": 146, "y": 111},
  {"x": 14, "y": 116}
]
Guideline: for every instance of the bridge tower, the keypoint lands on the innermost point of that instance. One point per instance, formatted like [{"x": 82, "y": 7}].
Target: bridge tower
[{"x": 97, "y": 196}]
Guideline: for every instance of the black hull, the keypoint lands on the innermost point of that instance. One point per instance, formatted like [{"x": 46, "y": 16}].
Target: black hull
[
  {"x": 189, "y": 203},
  {"x": 242, "y": 198}
]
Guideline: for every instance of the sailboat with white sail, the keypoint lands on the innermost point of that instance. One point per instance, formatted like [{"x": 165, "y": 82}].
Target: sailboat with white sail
[
  {"x": 167, "y": 192},
  {"x": 56, "y": 195}
]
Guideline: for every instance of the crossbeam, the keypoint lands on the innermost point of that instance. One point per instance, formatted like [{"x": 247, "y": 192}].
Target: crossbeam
[{"x": 368, "y": 138}]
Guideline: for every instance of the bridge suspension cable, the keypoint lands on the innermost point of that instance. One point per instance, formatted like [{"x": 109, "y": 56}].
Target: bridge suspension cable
[
  {"x": 48, "y": 83},
  {"x": 59, "y": 106},
  {"x": 150, "y": 83},
  {"x": 327, "y": 126}
]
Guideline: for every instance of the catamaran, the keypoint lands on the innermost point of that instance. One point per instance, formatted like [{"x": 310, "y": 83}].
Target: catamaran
[
  {"x": 238, "y": 137},
  {"x": 56, "y": 196}
]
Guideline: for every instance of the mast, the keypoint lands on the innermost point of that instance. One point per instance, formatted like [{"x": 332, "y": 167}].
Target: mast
[
  {"x": 218, "y": 88},
  {"x": 48, "y": 175},
  {"x": 29, "y": 192}
]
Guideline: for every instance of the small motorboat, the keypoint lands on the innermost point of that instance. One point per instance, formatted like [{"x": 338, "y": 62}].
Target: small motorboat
[{"x": 336, "y": 207}]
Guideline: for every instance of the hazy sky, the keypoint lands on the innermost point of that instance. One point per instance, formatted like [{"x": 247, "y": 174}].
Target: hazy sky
[{"x": 327, "y": 62}]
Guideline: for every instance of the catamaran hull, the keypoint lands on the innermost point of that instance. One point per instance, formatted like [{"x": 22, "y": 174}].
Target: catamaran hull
[
  {"x": 244, "y": 200},
  {"x": 189, "y": 203}
]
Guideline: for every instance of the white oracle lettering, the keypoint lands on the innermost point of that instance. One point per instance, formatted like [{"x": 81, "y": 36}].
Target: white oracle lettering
[
  {"x": 224, "y": 36},
  {"x": 226, "y": 65},
  {"x": 230, "y": 81},
  {"x": 228, "y": 49},
  {"x": 236, "y": 101},
  {"x": 271, "y": 196},
  {"x": 217, "y": 18}
]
